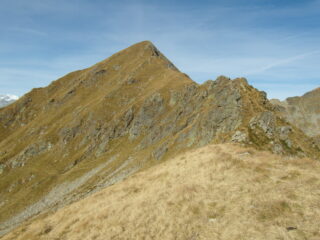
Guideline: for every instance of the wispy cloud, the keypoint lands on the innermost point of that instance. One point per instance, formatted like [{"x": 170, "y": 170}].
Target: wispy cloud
[{"x": 281, "y": 62}]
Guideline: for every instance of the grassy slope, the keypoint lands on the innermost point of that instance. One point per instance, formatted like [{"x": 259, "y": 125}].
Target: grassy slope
[
  {"x": 91, "y": 95},
  {"x": 214, "y": 192}
]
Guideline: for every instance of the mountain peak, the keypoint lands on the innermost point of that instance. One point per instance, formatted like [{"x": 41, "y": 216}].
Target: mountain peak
[
  {"x": 144, "y": 43},
  {"x": 96, "y": 126},
  {"x": 137, "y": 56},
  {"x": 140, "y": 48}
]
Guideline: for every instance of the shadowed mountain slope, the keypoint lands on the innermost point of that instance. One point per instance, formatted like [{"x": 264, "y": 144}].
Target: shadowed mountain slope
[
  {"x": 303, "y": 112},
  {"x": 214, "y": 192},
  {"x": 96, "y": 126}
]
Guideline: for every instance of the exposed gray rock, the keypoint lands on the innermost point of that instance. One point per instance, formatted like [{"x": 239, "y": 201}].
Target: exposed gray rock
[
  {"x": 101, "y": 149},
  {"x": 266, "y": 121},
  {"x": 28, "y": 153},
  {"x": 128, "y": 117},
  {"x": 239, "y": 136},
  {"x": 284, "y": 132},
  {"x": 277, "y": 149},
  {"x": 155, "y": 134},
  {"x": 131, "y": 81},
  {"x": 174, "y": 96},
  {"x": 1, "y": 168},
  {"x": 151, "y": 108},
  {"x": 159, "y": 152},
  {"x": 67, "y": 134}
]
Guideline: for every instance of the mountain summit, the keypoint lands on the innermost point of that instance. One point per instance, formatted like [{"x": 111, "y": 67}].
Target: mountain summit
[{"x": 96, "y": 126}]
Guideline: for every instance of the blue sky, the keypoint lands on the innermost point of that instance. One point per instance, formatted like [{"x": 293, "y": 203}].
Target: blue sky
[{"x": 274, "y": 44}]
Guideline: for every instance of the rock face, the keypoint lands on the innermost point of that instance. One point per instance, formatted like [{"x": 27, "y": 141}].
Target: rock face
[
  {"x": 99, "y": 125},
  {"x": 303, "y": 112}
]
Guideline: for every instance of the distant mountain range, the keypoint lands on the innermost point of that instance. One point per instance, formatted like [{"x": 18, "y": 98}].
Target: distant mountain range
[{"x": 6, "y": 99}]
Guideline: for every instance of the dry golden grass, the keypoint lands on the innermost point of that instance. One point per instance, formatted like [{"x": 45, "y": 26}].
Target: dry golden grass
[{"x": 215, "y": 192}]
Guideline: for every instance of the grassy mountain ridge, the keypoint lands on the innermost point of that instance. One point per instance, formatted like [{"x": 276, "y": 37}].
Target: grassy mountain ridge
[{"x": 97, "y": 126}]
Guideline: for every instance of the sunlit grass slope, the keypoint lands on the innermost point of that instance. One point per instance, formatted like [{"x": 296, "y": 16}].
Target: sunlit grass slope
[{"x": 214, "y": 192}]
